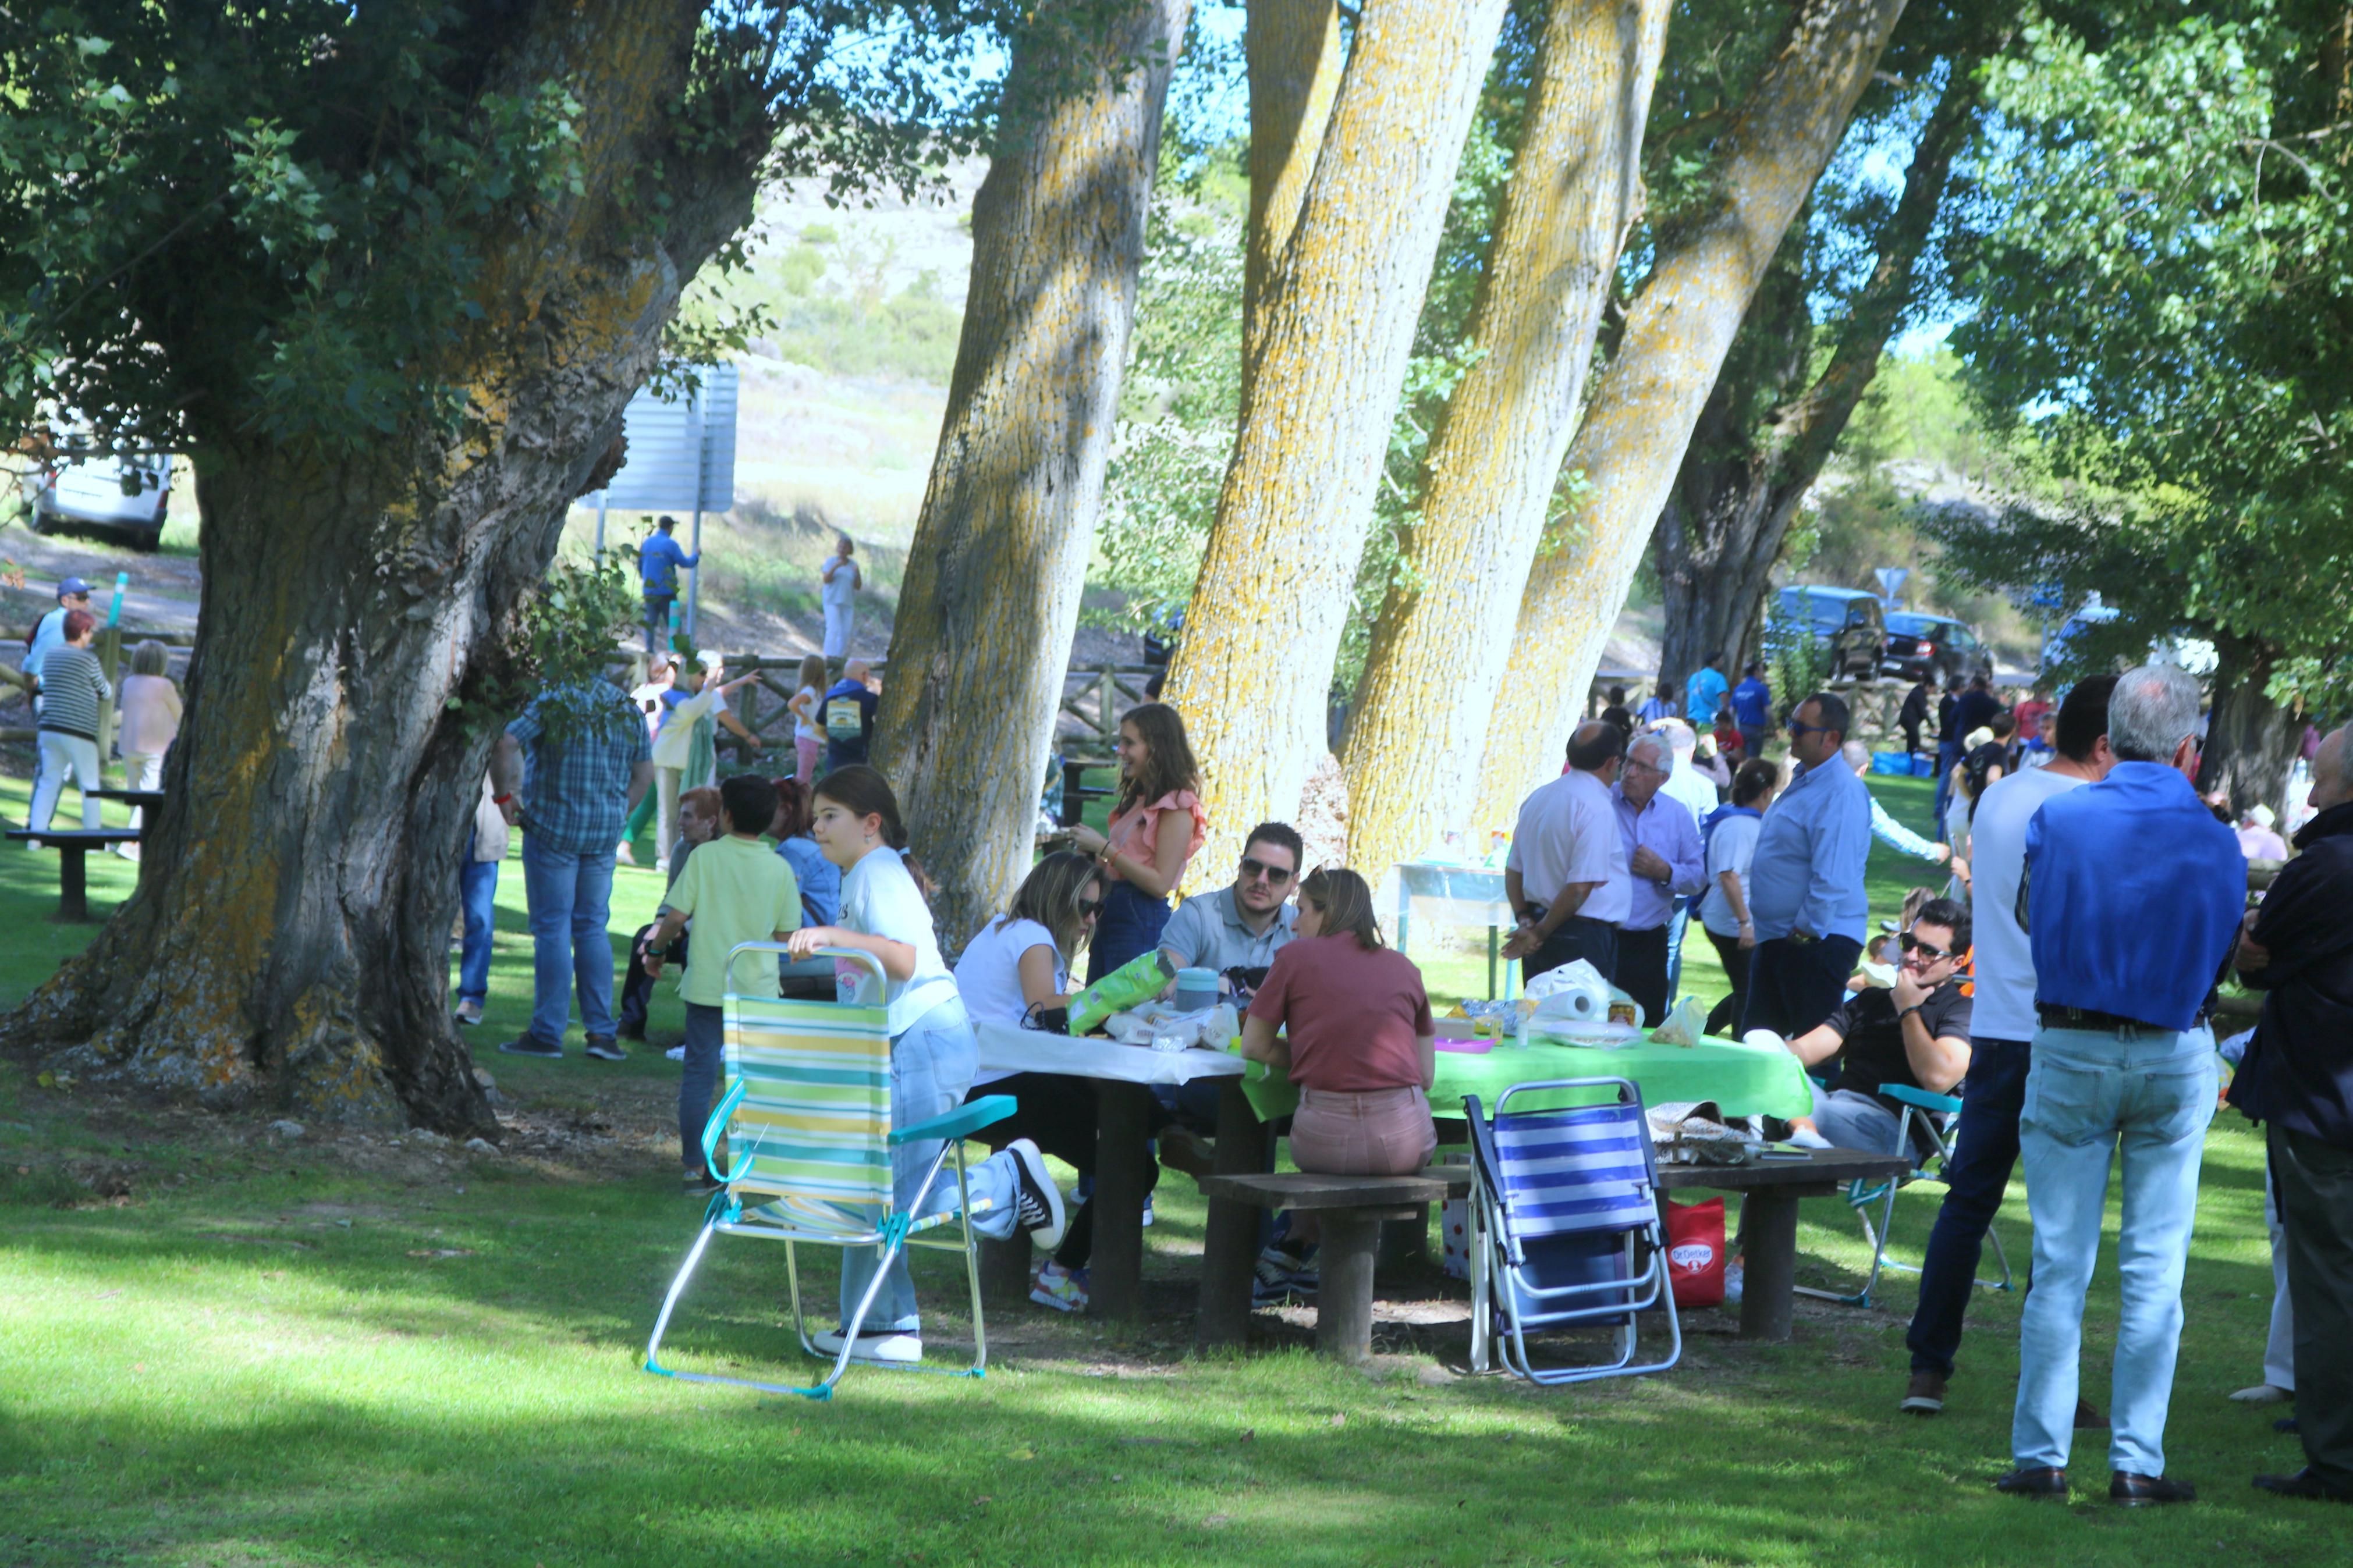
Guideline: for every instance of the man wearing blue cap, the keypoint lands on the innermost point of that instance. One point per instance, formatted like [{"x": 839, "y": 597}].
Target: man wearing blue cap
[{"x": 49, "y": 632}]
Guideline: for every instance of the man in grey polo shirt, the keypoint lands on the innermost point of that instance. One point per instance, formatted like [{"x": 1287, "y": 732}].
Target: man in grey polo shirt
[{"x": 1242, "y": 926}]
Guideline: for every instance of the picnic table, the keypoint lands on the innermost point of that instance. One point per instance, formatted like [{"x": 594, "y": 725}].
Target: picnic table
[
  {"x": 147, "y": 799},
  {"x": 1123, "y": 1076},
  {"x": 72, "y": 844}
]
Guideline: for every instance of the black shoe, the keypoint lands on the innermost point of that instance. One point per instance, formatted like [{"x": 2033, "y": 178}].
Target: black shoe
[
  {"x": 606, "y": 1048},
  {"x": 2305, "y": 1484},
  {"x": 632, "y": 1032},
  {"x": 533, "y": 1045},
  {"x": 2287, "y": 1424},
  {"x": 2033, "y": 1482},
  {"x": 2140, "y": 1492},
  {"x": 1037, "y": 1201}
]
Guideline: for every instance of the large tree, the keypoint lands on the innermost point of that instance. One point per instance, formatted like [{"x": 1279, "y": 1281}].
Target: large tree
[
  {"x": 1706, "y": 259},
  {"x": 1779, "y": 406},
  {"x": 1495, "y": 459},
  {"x": 1000, "y": 549},
  {"x": 388, "y": 274},
  {"x": 1253, "y": 675},
  {"x": 2162, "y": 317}
]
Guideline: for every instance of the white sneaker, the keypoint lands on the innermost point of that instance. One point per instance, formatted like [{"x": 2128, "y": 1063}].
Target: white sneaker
[
  {"x": 676, "y": 1053},
  {"x": 2263, "y": 1394},
  {"x": 468, "y": 1012},
  {"x": 875, "y": 1347}
]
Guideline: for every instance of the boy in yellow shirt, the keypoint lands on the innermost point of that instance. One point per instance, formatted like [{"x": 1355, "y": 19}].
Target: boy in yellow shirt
[{"x": 738, "y": 891}]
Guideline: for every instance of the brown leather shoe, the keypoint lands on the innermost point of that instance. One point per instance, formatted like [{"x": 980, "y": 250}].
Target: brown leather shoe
[
  {"x": 2141, "y": 1491},
  {"x": 2034, "y": 1481},
  {"x": 1925, "y": 1396}
]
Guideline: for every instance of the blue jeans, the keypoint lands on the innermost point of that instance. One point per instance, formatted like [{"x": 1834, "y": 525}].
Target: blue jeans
[
  {"x": 1675, "y": 929},
  {"x": 1985, "y": 1151},
  {"x": 570, "y": 895},
  {"x": 2091, "y": 1096},
  {"x": 1128, "y": 927},
  {"x": 706, "y": 1039},
  {"x": 931, "y": 1067},
  {"x": 477, "y": 891}
]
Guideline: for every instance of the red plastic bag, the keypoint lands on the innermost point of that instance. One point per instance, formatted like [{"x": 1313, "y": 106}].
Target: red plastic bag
[{"x": 1695, "y": 1252}]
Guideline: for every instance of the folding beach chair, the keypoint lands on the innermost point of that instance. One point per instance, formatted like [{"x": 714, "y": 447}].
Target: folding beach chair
[
  {"x": 1940, "y": 1116},
  {"x": 1564, "y": 1208},
  {"x": 807, "y": 1122}
]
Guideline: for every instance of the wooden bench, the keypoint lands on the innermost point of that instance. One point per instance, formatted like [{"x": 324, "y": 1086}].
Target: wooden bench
[
  {"x": 72, "y": 844},
  {"x": 1351, "y": 1210}
]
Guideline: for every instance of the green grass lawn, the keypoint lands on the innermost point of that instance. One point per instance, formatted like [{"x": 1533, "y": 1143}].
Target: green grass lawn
[{"x": 216, "y": 1348}]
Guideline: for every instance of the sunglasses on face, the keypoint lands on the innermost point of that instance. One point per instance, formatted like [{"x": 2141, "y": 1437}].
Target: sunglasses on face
[
  {"x": 1797, "y": 729},
  {"x": 1927, "y": 954},
  {"x": 1089, "y": 907},
  {"x": 1253, "y": 869}
]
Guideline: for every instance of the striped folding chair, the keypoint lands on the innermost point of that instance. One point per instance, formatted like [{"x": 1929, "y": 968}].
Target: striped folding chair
[
  {"x": 1563, "y": 1206},
  {"x": 1939, "y": 1115},
  {"x": 805, "y": 1118}
]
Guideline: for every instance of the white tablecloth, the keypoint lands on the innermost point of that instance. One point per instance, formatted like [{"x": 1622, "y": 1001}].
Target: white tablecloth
[{"x": 1009, "y": 1048}]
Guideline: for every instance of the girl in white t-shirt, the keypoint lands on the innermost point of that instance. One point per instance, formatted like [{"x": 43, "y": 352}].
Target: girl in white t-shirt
[
  {"x": 932, "y": 1054},
  {"x": 808, "y": 732}
]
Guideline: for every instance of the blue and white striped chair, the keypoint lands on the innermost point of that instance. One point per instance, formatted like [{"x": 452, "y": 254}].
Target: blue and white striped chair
[
  {"x": 1564, "y": 1208},
  {"x": 806, "y": 1118}
]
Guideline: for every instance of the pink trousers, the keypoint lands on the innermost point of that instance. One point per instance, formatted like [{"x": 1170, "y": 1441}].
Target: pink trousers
[
  {"x": 1370, "y": 1133},
  {"x": 806, "y": 748}
]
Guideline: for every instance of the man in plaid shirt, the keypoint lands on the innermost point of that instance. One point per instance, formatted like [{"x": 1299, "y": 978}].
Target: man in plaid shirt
[{"x": 571, "y": 768}]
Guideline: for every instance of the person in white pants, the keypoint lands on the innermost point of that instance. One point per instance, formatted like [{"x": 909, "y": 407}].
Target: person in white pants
[
  {"x": 842, "y": 581},
  {"x": 2279, "y": 1349},
  {"x": 74, "y": 689},
  {"x": 151, "y": 720}
]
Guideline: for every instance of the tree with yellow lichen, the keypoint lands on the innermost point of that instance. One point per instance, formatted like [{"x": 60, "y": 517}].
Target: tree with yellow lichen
[
  {"x": 1708, "y": 258},
  {"x": 388, "y": 274},
  {"x": 991, "y": 598},
  {"x": 1324, "y": 377},
  {"x": 1415, "y": 735}
]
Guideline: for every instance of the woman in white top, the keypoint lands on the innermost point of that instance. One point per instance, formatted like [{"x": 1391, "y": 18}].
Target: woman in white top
[
  {"x": 150, "y": 722},
  {"x": 842, "y": 580},
  {"x": 933, "y": 1054},
  {"x": 1731, "y": 836},
  {"x": 809, "y": 730}
]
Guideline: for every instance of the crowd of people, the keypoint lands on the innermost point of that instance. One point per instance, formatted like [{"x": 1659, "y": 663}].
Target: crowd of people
[
  {"x": 70, "y": 693},
  {"x": 2074, "y": 1029},
  {"x": 2063, "y": 987}
]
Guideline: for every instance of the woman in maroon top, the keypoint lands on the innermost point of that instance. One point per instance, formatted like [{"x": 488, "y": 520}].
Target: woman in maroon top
[{"x": 1360, "y": 1041}]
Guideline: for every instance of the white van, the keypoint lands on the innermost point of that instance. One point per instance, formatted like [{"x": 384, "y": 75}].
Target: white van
[{"x": 129, "y": 494}]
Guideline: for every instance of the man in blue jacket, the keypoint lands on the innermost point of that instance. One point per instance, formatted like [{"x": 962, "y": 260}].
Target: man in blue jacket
[
  {"x": 2298, "y": 1078},
  {"x": 2131, "y": 901},
  {"x": 659, "y": 559}
]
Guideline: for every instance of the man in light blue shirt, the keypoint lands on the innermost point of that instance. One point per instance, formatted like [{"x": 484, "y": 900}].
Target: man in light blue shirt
[
  {"x": 2132, "y": 901},
  {"x": 1704, "y": 692},
  {"x": 1806, "y": 892},
  {"x": 659, "y": 559},
  {"x": 1884, "y": 826},
  {"x": 1664, "y": 863}
]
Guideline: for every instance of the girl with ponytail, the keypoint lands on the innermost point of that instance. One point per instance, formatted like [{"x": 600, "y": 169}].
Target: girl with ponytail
[{"x": 934, "y": 1055}]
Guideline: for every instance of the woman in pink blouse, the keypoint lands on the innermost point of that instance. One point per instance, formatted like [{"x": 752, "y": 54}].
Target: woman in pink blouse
[{"x": 1157, "y": 826}]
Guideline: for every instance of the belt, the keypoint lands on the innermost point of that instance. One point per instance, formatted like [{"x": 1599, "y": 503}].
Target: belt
[{"x": 2093, "y": 1018}]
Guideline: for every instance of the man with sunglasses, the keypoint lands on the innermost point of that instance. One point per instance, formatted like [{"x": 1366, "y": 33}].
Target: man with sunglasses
[
  {"x": 1915, "y": 1035},
  {"x": 1242, "y": 926},
  {"x": 1806, "y": 893}
]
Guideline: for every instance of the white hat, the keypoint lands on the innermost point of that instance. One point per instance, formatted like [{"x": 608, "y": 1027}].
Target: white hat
[{"x": 709, "y": 658}]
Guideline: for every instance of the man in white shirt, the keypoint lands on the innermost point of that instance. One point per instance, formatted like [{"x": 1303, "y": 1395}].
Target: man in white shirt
[
  {"x": 2002, "y": 1024},
  {"x": 1566, "y": 875}
]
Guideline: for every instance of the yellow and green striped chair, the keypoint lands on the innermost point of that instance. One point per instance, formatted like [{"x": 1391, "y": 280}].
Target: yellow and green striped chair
[{"x": 806, "y": 1119}]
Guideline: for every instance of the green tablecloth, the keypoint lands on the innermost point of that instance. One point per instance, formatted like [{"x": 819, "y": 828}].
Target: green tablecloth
[{"x": 1746, "y": 1080}]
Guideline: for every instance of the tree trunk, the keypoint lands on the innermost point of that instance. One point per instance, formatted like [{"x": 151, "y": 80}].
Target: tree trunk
[
  {"x": 999, "y": 557},
  {"x": 1496, "y": 457},
  {"x": 288, "y": 944},
  {"x": 1631, "y": 443},
  {"x": 2251, "y": 740},
  {"x": 1253, "y": 674},
  {"x": 1292, "y": 51},
  {"x": 1722, "y": 528}
]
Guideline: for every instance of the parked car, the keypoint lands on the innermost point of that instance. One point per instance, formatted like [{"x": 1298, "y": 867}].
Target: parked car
[
  {"x": 128, "y": 494},
  {"x": 1936, "y": 647},
  {"x": 1846, "y": 624}
]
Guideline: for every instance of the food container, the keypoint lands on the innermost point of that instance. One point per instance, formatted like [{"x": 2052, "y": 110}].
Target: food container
[{"x": 1197, "y": 989}]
